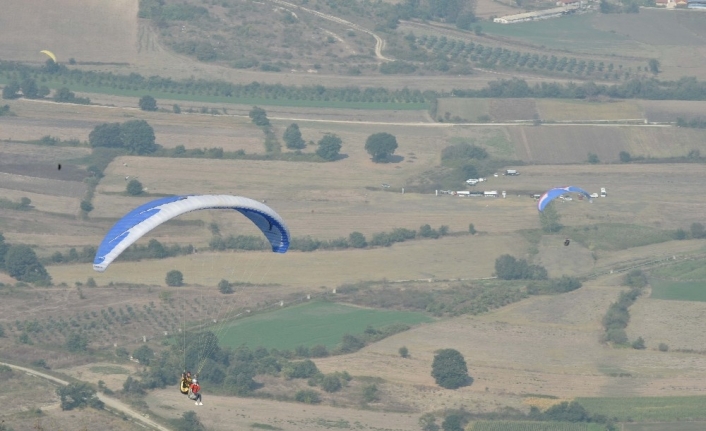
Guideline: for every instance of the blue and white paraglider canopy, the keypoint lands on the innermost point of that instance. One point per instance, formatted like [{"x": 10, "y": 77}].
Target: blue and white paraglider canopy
[
  {"x": 554, "y": 193},
  {"x": 146, "y": 217}
]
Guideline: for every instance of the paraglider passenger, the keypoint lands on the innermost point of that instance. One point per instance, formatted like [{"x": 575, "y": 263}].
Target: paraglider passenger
[
  {"x": 185, "y": 382},
  {"x": 195, "y": 392}
]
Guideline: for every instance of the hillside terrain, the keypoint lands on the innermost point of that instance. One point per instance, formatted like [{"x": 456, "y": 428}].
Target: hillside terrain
[{"x": 388, "y": 265}]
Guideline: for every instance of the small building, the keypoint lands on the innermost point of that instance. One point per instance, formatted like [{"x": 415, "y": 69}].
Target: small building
[
  {"x": 568, "y": 2},
  {"x": 512, "y": 172},
  {"x": 696, "y": 4},
  {"x": 491, "y": 194},
  {"x": 540, "y": 14}
]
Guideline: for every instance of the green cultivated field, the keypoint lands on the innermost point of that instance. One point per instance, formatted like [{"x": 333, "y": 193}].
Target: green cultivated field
[
  {"x": 534, "y": 426},
  {"x": 616, "y": 236},
  {"x": 571, "y": 32},
  {"x": 309, "y": 325},
  {"x": 648, "y": 408},
  {"x": 686, "y": 271},
  {"x": 679, "y": 290}
]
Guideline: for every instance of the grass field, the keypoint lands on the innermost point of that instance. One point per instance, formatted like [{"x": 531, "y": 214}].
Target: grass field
[
  {"x": 617, "y": 236},
  {"x": 573, "y": 33},
  {"x": 679, "y": 290},
  {"x": 309, "y": 324},
  {"x": 574, "y": 110},
  {"x": 647, "y": 409},
  {"x": 534, "y": 426},
  {"x": 684, "y": 271}
]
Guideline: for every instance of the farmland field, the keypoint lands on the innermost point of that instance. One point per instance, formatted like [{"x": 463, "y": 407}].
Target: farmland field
[
  {"x": 534, "y": 426},
  {"x": 308, "y": 325},
  {"x": 679, "y": 290},
  {"x": 666, "y": 426},
  {"x": 572, "y": 110},
  {"x": 647, "y": 409}
]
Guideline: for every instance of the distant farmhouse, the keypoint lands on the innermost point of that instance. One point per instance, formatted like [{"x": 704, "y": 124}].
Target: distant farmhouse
[
  {"x": 697, "y": 4},
  {"x": 672, "y": 4},
  {"x": 567, "y": 7}
]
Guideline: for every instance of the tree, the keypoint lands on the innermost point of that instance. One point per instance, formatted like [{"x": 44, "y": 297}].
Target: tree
[
  {"x": 293, "y": 137},
  {"x": 225, "y": 287},
  {"x": 134, "y": 188},
  {"x": 259, "y": 117},
  {"x": 21, "y": 262},
  {"x": 453, "y": 422},
  {"x": 404, "y": 352},
  {"x": 86, "y": 206},
  {"x": 176, "y": 109},
  {"x": 465, "y": 20},
  {"x": 132, "y": 386},
  {"x": 654, "y": 66},
  {"x": 549, "y": 219},
  {"x": 143, "y": 354},
  {"x": 188, "y": 422},
  {"x": 76, "y": 395},
  {"x": 593, "y": 158},
  {"x": 625, "y": 157},
  {"x": 105, "y": 135},
  {"x": 64, "y": 95},
  {"x": 663, "y": 347},
  {"x": 138, "y": 137},
  {"x": 43, "y": 92},
  {"x": 331, "y": 383},
  {"x": 449, "y": 369},
  {"x": 10, "y": 90},
  {"x": 29, "y": 88},
  {"x": 428, "y": 422},
  {"x": 357, "y": 240},
  {"x": 148, "y": 103},
  {"x": 174, "y": 278},
  {"x": 638, "y": 344},
  {"x": 329, "y": 146},
  {"x": 471, "y": 229},
  {"x": 381, "y": 146},
  {"x": 697, "y": 230},
  {"x": 76, "y": 342}
]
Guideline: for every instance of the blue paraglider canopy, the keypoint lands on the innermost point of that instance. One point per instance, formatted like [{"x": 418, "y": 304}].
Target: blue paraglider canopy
[{"x": 554, "y": 193}]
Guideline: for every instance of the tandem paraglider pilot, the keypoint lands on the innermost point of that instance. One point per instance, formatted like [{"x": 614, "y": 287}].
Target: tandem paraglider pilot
[{"x": 195, "y": 392}]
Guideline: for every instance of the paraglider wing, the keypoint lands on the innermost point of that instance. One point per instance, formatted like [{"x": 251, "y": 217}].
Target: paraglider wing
[
  {"x": 50, "y": 54},
  {"x": 146, "y": 217},
  {"x": 554, "y": 193}
]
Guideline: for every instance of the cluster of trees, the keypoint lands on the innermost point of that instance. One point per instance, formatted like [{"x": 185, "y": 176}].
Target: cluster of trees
[
  {"x": 28, "y": 87},
  {"x": 509, "y": 268},
  {"x": 157, "y": 10},
  {"x": 467, "y": 161},
  {"x": 215, "y": 88},
  {"x": 135, "y": 136},
  {"x": 232, "y": 371},
  {"x": 617, "y": 317},
  {"x": 447, "y": 51},
  {"x": 555, "y": 285},
  {"x": 85, "y": 255},
  {"x": 687, "y": 88},
  {"x": 21, "y": 262},
  {"x": 75, "y": 395},
  {"x": 5, "y": 110},
  {"x": 354, "y": 240}
]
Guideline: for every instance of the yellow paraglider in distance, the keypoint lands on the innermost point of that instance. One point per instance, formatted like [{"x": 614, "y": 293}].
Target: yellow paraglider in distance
[{"x": 50, "y": 54}]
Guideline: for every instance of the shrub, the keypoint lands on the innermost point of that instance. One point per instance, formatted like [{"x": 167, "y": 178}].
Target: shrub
[
  {"x": 331, "y": 383},
  {"x": 404, "y": 352},
  {"x": 638, "y": 344},
  {"x": 663, "y": 347},
  {"x": 225, "y": 287},
  {"x": 307, "y": 396},
  {"x": 449, "y": 369},
  {"x": 174, "y": 278},
  {"x": 134, "y": 188}
]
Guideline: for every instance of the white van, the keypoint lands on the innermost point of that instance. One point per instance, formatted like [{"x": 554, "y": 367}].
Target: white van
[{"x": 603, "y": 192}]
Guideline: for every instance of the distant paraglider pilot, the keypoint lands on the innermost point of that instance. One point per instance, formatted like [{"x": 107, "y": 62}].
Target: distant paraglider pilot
[
  {"x": 567, "y": 241},
  {"x": 195, "y": 392}
]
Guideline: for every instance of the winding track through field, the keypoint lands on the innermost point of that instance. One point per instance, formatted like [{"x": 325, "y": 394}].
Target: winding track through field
[
  {"x": 379, "y": 42},
  {"x": 111, "y": 403}
]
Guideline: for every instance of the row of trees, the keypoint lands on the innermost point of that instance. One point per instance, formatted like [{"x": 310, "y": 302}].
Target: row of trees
[
  {"x": 30, "y": 90},
  {"x": 617, "y": 317},
  {"x": 215, "y": 88},
  {"x": 688, "y": 88}
]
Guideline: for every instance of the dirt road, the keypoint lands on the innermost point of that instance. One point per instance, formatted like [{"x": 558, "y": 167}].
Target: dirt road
[{"x": 111, "y": 403}]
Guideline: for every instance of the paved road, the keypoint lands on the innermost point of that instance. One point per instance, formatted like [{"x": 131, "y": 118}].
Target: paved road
[{"x": 109, "y": 402}]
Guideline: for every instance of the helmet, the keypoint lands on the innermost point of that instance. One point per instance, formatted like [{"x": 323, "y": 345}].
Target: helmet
[{"x": 195, "y": 381}]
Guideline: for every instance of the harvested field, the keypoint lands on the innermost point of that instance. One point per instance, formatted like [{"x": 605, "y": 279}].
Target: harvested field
[
  {"x": 670, "y": 110},
  {"x": 574, "y": 110},
  {"x": 559, "y": 144},
  {"x": 466, "y": 109},
  {"x": 513, "y": 109},
  {"x": 44, "y": 186},
  {"x": 447, "y": 258},
  {"x": 46, "y": 203},
  {"x": 667, "y": 321}
]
